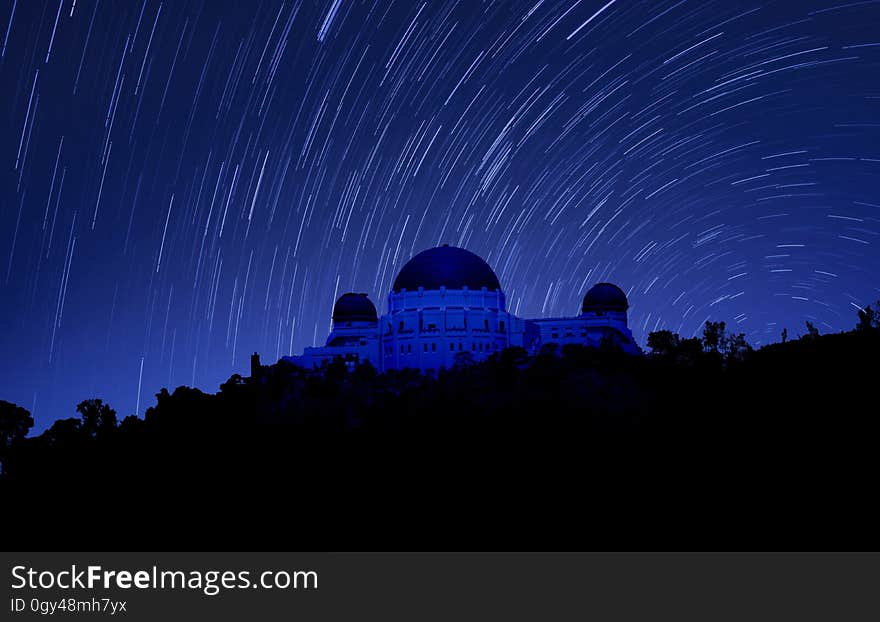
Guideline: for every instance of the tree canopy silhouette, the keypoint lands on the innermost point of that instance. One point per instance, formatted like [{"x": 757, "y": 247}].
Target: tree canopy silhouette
[
  {"x": 575, "y": 447},
  {"x": 869, "y": 319},
  {"x": 15, "y": 423},
  {"x": 97, "y": 417}
]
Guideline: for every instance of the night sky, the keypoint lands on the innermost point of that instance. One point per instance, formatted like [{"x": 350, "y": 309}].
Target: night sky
[{"x": 186, "y": 182}]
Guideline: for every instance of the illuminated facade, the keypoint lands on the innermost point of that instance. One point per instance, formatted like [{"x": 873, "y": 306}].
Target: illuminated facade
[{"x": 447, "y": 305}]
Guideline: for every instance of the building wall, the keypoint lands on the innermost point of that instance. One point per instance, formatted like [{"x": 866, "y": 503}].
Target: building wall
[
  {"x": 588, "y": 329},
  {"x": 429, "y": 329},
  {"x": 351, "y": 341}
]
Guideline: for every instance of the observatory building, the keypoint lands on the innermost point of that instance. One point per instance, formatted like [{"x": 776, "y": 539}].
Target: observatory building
[{"x": 447, "y": 304}]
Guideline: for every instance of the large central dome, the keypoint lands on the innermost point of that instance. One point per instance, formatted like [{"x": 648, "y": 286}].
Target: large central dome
[{"x": 446, "y": 266}]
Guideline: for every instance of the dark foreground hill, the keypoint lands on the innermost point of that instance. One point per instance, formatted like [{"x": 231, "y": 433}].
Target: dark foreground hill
[{"x": 578, "y": 449}]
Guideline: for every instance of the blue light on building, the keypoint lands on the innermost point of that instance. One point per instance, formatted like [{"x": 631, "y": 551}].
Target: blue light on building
[{"x": 447, "y": 304}]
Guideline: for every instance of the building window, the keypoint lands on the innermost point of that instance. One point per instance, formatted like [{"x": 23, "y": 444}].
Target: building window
[
  {"x": 473, "y": 347},
  {"x": 400, "y": 326},
  {"x": 424, "y": 347},
  {"x": 451, "y": 347},
  {"x": 555, "y": 335},
  {"x": 486, "y": 324},
  {"x": 501, "y": 326},
  {"x": 459, "y": 346},
  {"x": 433, "y": 347},
  {"x": 401, "y": 348},
  {"x": 409, "y": 348},
  {"x": 481, "y": 347}
]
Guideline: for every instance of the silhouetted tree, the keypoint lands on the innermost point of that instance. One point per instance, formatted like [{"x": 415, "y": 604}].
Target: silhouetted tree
[
  {"x": 549, "y": 349},
  {"x": 336, "y": 370},
  {"x": 463, "y": 360},
  {"x": 784, "y": 335},
  {"x": 713, "y": 334},
  {"x": 663, "y": 342},
  {"x": 869, "y": 319},
  {"x": 514, "y": 356},
  {"x": 65, "y": 431},
  {"x": 610, "y": 341},
  {"x": 736, "y": 346},
  {"x": 131, "y": 423},
  {"x": 15, "y": 423},
  {"x": 364, "y": 372},
  {"x": 812, "y": 331},
  {"x": 690, "y": 350},
  {"x": 97, "y": 417},
  {"x": 235, "y": 381}
]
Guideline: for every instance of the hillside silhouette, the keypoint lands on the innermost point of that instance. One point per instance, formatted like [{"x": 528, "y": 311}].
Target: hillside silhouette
[{"x": 704, "y": 443}]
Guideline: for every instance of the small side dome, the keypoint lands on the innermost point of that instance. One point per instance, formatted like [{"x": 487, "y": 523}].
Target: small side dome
[
  {"x": 604, "y": 297},
  {"x": 354, "y": 308},
  {"x": 446, "y": 266}
]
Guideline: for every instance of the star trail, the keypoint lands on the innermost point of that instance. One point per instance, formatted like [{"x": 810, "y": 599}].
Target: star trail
[{"x": 187, "y": 182}]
